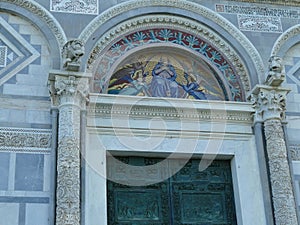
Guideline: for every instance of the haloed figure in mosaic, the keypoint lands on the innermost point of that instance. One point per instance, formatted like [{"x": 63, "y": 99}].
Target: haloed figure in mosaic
[
  {"x": 164, "y": 80},
  {"x": 164, "y": 75},
  {"x": 192, "y": 87}
]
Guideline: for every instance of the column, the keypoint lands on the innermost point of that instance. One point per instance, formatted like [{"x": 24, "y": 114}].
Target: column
[
  {"x": 69, "y": 93},
  {"x": 269, "y": 101}
]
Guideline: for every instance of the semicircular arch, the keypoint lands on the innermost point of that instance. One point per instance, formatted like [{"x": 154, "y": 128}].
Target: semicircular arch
[
  {"x": 43, "y": 20},
  {"x": 116, "y": 15},
  {"x": 151, "y": 29}
]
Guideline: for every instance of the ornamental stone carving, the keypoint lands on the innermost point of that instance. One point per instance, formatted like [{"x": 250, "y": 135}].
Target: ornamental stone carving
[
  {"x": 179, "y": 4},
  {"x": 275, "y": 74},
  {"x": 269, "y": 102},
  {"x": 68, "y": 182},
  {"x": 69, "y": 93},
  {"x": 280, "y": 175},
  {"x": 25, "y": 140},
  {"x": 72, "y": 52}
]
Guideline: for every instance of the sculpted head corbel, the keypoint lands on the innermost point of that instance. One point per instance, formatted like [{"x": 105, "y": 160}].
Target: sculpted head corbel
[
  {"x": 72, "y": 51},
  {"x": 275, "y": 73}
]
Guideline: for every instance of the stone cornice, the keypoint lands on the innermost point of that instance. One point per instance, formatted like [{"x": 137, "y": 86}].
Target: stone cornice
[{"x": 174, "y": 109}]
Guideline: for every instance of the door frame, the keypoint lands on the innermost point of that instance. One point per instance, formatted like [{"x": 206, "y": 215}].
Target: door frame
[{"x": 209, "y": 125}]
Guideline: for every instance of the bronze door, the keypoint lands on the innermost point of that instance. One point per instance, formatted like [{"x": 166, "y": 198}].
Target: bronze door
[{"x": 190, "y": 197}]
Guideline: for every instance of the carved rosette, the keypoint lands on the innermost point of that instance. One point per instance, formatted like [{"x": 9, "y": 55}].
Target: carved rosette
[
  {"x": 69, "y": 93},
  {"x": 269, "y": 102}
]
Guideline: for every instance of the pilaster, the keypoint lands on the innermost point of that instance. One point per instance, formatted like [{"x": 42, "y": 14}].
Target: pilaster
[{"x": 269, "y": 101}]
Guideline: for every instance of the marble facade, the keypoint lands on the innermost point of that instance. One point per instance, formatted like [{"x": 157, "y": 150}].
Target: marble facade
[{"x": 58, "y": 124}]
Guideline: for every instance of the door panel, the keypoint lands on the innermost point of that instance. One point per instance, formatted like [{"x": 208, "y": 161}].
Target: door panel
[{"x": 188, "y": 197}]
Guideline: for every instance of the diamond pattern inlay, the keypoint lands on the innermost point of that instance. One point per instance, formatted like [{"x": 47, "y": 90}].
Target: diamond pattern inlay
[{"x": 19, "y": 52}]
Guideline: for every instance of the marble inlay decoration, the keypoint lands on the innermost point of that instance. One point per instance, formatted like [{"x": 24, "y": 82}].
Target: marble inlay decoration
[
  {"x": 259, "y": 23},
  {"x": 3, "y": 55},
  {"x": 258, "y": 11},
  {"x": 79, "y": 6},
  {"x": 20, "y": 52}
]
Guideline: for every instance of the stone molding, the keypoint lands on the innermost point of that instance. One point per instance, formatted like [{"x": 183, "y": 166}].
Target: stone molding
[
  {"x": 284, "y": 38},
  {"x": 269, "y": 102},
  {"x": 175, "y": 22},
  {"x": 44, "y": 15},
  {"x": 87, "y": 33},
  {"x": 25, "y": 140},
  {"x": 176, "y": 109}
]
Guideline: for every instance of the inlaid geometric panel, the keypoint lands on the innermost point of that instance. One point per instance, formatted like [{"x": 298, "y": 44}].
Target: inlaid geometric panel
[
  {"x": 188, "y": 197},
  {"x": 19, "y": 51}
]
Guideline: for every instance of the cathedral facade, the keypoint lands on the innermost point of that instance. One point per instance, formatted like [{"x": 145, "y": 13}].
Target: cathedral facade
[{"x": 149, "y": 112}]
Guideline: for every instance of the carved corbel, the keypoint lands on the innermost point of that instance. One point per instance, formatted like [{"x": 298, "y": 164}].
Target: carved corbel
[
  {"x": 72, "y": 51},
  {"x": 275, "y": 74}
]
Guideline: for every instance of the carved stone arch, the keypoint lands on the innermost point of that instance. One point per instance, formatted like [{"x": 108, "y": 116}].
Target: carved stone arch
[
  {"x": 112, "y": 17},
  {"x": 286, "y": 40},
  {"x": 43, "y": 20},
  {"x": 287, "y": 47},
  {"x": 233, "y": 61}
]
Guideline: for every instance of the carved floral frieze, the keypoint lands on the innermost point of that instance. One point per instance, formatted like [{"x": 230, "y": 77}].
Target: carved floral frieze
[{"x": 25, "y": 140}]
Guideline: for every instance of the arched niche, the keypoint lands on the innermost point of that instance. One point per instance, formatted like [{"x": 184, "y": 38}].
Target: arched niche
[{"x": 190, "y": 41}]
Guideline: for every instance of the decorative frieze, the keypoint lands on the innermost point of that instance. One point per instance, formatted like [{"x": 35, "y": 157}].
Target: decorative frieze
[
  {"x": 295, "y": 152},
  {"x": 276, "y": 2},
  {"x": 80, "y": 6},
  {"x": 25, "y": 140},
  {"x": 259, "y": 23},
  {"x": 257, "y": 10}
]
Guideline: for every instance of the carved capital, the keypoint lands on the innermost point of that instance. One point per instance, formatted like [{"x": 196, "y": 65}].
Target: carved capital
[
  {"x": 69, "y": 88},
  {"x": 269, "y": 102}
]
